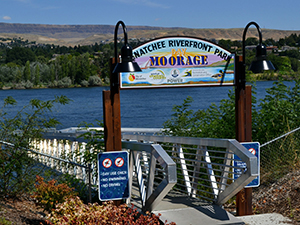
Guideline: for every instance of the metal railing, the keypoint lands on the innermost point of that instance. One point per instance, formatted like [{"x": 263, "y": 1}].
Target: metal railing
[
  {"x": 198, "y": 167},
  {"x": 205, "y": 166},
  {"x": 154, "y": 170},
  {"x": 151, "y": 167}
]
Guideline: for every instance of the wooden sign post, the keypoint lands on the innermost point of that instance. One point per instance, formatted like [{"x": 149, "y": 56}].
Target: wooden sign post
[{"x": 243, "y": 120}]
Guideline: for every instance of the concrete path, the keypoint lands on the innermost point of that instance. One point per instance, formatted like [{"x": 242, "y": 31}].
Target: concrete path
[
  {"x": 189, "y": 211},
  {"x": 183, "y": 210}
]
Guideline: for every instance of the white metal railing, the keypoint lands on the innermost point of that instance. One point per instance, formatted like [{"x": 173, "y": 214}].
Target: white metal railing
[{"x": 145, "y": 161}]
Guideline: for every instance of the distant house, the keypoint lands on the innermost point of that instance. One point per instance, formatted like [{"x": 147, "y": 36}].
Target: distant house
[
  {"x": 287, "y": 48},
  {"x": 270, "y": 49},
  {"x": 273, "y": 49},
  {"x": 250, "y": 47}
]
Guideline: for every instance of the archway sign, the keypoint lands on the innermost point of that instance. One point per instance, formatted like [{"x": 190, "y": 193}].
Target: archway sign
[{"x": 180, "y": 62}]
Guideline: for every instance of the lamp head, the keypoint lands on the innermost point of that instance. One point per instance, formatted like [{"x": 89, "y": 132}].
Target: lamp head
[
  {"x": 261, "y": 63},
  {"x": 127, "y": 63}
]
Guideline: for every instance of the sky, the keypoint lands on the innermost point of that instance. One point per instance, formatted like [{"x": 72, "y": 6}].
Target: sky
[{"x": 275, "y": 14}]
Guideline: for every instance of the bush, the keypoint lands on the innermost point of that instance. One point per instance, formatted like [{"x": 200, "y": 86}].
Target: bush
[
  {"x": 94, "y": 81},
  {"x": 49, "y": 194},
  {"x": 65, "y": 82},
  {"x": 18, "y": 169},
  {"x": 74, "y": 212},
  {"x": 19, "y": 86},
  {"x": 84, "y": 83},
  {"x": 28, "y": 85},
  {"x": 272, "y": 116}
]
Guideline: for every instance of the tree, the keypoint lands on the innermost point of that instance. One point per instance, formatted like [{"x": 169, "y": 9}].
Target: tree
[
  {"x": 26, "y": 72},
  {"x": 20, "y": 55},
  {"x": 277, "y": 113},
  {"x": 37, "y": 75},
  {"x": 18, "y": 169},
  {"x": 251, "y": 41}
]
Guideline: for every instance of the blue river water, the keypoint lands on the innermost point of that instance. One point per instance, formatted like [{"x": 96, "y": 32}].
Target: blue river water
[{"x": 147, "y": 108}]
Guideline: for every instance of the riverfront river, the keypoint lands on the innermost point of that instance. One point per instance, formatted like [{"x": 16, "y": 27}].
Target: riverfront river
[{"x": 147, "y": 108}]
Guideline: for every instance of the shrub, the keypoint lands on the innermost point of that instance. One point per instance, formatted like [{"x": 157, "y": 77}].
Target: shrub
[
  {"x": 94, "y": 81},
  {"x": 19, "y": 85},
  {"x": 74, "y": 212},
  {"x": 18, "y": 169},
  {"x": 49, "y": 194},
  {"x": 84, "y": 83},
  {"x": 28, "y": 84},
  {"x": 3, "y": 221},
  {"x": 65, "y": 82}
]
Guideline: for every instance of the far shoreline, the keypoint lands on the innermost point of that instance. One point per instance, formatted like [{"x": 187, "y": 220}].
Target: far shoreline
[{"x": 46, "y": 87}]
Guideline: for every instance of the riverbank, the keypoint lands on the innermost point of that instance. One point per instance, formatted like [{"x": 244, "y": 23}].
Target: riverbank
[
  {"x": 272, "y": 76},
  {"x": 46, "y": 87},
  {"x": 267, "y": 76}
]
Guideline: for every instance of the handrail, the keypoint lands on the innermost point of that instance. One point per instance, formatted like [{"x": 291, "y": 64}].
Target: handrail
[
  {"x": 151, "y": 196},
  {"x": 204, "y": 166},
  {"x": 221, "y": 190}
]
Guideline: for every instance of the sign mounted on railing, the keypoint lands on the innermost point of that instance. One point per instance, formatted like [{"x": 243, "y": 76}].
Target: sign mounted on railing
[
  {"x": 113, "y": 175},
  {"x": 179, "y": 62},
  {"x": 254, "y": 148}
]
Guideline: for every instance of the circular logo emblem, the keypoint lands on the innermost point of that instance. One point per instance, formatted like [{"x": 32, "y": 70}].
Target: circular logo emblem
[
  {"x": 175, "y": 73},
  {"x": 131, "y": 77}
]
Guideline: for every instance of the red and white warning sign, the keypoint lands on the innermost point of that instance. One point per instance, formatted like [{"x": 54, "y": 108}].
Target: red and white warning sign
[
  {"x": 119, "y": 162},
  {"x": 252, "y": 150},
  {"x": 107, "y": 163}
]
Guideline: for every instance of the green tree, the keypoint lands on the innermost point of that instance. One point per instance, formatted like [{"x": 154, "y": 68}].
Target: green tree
[
  {"x": 20, "y": 55},
  {"x": 27, "y": 72},
  {"x": 285, "y": 64},
  {"x": 19, "y": 76},
  {"x": 277, "y": 113},
  {"x": 18, "y": 169},
  {"x": 37, "y": 75}
]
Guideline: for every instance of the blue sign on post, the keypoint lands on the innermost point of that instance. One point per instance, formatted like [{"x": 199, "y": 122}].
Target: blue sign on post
[
  {"x": 113, "y": 172},
  {"x": 254, "y": 148}
]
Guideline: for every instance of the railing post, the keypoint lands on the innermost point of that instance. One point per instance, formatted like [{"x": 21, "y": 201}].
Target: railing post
[{"x": 90, "y": 183}]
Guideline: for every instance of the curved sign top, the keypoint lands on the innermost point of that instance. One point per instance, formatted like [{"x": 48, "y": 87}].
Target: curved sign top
[{"x": 178, "y": 62}]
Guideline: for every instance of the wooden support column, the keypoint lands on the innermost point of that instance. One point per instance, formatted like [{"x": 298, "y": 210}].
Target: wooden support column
[
  {"x": 112, "y": 114},
  {"x": 243, "y": 118}
]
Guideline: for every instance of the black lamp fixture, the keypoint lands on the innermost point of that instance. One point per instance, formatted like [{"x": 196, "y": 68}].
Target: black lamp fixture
[
  {"x": 260, "y": 63},
  {"x": 126, "y": 63}
]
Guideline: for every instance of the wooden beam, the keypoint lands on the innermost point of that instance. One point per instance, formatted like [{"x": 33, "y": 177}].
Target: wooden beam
[{"x": 243, "y": 119}]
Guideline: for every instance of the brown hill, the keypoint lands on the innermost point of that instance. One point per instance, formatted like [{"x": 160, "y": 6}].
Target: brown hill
[{"x": 89, "y": 34}]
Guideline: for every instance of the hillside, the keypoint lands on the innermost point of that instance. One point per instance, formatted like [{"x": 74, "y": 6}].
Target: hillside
[{"x": 89, "y": 34}]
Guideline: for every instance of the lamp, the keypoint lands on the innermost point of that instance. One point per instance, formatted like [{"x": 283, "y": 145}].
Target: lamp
[
  {"x": 126, "y": 63},
  {"x": 260, "y": 63},
  {"x": 243, "y": 110}
]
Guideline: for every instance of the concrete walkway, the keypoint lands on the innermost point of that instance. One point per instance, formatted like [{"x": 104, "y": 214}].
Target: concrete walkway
[
  {"x": 189, "y": 211},
  {"x": 183, "y": 210}
]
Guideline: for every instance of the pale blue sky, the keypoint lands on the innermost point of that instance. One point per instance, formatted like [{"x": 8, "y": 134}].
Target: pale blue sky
[{"x": 275, "y": 14}]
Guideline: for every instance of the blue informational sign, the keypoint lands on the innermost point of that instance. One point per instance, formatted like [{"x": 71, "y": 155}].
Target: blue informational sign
[
  {"x": 254, "y": 148},
  {"x": 113, "y": 172}
]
